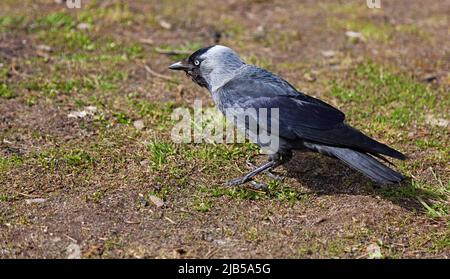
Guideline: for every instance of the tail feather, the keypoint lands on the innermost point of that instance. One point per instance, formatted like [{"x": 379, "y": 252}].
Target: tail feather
[
  {"x": 347, "y": 136},
  {"x": 361, "y": 162}
]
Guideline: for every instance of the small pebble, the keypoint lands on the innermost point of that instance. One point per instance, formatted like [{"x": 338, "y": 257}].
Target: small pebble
[
  {"x": 37, "y": 200},
  {"x": 139, "y": 124}
]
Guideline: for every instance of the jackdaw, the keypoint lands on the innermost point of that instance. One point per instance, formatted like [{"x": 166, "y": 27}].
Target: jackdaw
[{"x": 304, "y": 122}]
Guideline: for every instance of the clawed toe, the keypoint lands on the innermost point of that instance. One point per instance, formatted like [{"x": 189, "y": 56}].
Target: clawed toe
[
  {"x": 268, "y": 173},
  {"x": 274, "y": 176},
  {"x": 242, "y": 180},
  {"x": 235, "y": 182},
  {"x": 259, "y": 186},
  {"x": 250, "y": 164}
]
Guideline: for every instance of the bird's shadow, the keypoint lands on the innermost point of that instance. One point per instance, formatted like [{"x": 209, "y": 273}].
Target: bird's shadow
[{"x": 328, "y": 176}]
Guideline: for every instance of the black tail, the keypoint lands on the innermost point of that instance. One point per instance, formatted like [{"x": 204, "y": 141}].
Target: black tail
[
  {"x": 361, "y": 162},
  {"x": 345, "y": 135}
]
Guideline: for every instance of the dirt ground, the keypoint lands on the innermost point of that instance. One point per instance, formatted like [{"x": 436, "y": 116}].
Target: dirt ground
[{"x": 88, "y": 169}]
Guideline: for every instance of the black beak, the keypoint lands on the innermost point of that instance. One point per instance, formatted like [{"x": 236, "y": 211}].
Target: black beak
[{"x": 182, "y": 65}]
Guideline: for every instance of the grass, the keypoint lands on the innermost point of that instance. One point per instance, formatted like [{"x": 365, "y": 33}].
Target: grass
[
  {"x": 95, "y": 197},
  {"x": 122, "y": 118},
  {"x": 159, "y": 153},
  {"x": 10, "y": 23},
  {"x": 185, "y": 47},
  {"x": 382, "y": 32},
  {"x": 56, "y": 158},
  {"x": 370, "y": 29},
  {"x": 56, "y": 20},
  {"x": 392, "y": 102},
  {"x": 134, "y": 51},
  {"x": 56, "y": 86},
  {"x": 202, "y": 205},
  {"x": 6, "y": 92},
  {"x": 7, "y": 163},
  {"x": 399, "y": 99},
  {"x": 77, "y": 158}
]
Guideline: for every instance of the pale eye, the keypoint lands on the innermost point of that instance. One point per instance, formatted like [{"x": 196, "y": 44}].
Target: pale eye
[{"x": 196, "y": 62}]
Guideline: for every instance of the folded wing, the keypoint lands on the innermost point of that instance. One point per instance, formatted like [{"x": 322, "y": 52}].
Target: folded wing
[{"x": 300, "y": 116}]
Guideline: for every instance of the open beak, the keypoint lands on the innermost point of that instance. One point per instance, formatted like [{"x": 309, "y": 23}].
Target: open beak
[{"x": 181, "y": 65}]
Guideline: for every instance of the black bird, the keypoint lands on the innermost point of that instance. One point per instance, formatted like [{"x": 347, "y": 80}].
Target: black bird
[{"x": 304, "y": 122}]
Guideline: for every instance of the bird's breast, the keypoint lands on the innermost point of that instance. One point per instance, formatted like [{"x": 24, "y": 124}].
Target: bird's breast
[{"x": 218, "y": 101}]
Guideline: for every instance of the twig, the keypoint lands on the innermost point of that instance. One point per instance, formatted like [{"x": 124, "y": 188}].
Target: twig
[
  {"x": 14, "y": 69},
  {"x": 28, "y": 195},
  {"x": 158, "y": 75},
  {"x": 132, "y": 222},
  {"x": 71, "y": 238},
  {"x": 362, "y": 256},
  {"x": 172, "y": 52},
  {"x": 211, "y": 253},
  {"x": 170, "y": 220}
]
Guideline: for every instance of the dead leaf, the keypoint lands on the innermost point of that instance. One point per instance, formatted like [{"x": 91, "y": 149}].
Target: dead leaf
[
  {"x": 374, "y": 251},
  {"x": 164, "y": 24},
  {"x": 156, "y": 201},
  {"x": 147, "y": 41},
  {"x": 328, "y": 53},
  {"x": 73, "y": 251},
  {"x": 355, "y": 35},
  {"x": 83, "y": 26},
  {"x": 441, "y": 122}
]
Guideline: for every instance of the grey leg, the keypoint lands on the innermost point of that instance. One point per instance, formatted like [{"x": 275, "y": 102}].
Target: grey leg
[
  {"x": 246, "y": 178},
  {"x": 268, "y": 172}
]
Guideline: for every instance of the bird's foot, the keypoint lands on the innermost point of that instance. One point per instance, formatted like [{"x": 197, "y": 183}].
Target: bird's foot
[
  {"x": 242, "y": 180},
  {"x": 259, "y": 186},
  {"x": 237, "y": 181},
  {"x": 268, "y": 173}
]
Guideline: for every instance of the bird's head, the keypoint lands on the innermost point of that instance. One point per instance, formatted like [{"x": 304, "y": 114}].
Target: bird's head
[{"x": 210, "y": 66}]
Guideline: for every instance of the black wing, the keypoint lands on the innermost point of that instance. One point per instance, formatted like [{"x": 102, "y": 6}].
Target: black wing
[{"x": 296, "y": 110}]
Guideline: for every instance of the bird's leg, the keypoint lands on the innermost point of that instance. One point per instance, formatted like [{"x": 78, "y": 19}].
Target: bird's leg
[
  {"x": 269, "y": 173},
  {"x": 275, "y": 160},
  {"x": 249, "y": 176}
]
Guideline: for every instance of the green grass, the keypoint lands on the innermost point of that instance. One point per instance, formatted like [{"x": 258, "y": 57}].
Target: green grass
[
  {"x": 56, "y": 86},
  {"x": 252, "y": 234},
  {"x": 10, "y": 23},
  {"x": 162, "y": 193},
  {"x": 122, "y": 118},
  {"x": 64, "y": 158},
  {"x": 159, "y": 153},
  {"x": 56, "y": 20},
  {"x": 59, "y": 31},
  {"x": 59, "y": 86},
  {"x": 157, "y": 113},
  {"x": 376, "y": 31},
  {"x": 4, "y": 198},
  {"x": 202, "y": 205},
  {"x": 381, "y": 101},
  {"x": 95, "y": 197},
  {"x": 397, "y": 99},
  {"x": 381, "y": 32},
  {"x": 134, "y": 51},
  {"x": 187, "y": 47},
  {"x": 6, "y": 92},
  {"x": 7, "y": 163},
  {"x": 441, "y": 242},
  {"x": 77, "y": 158}
]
